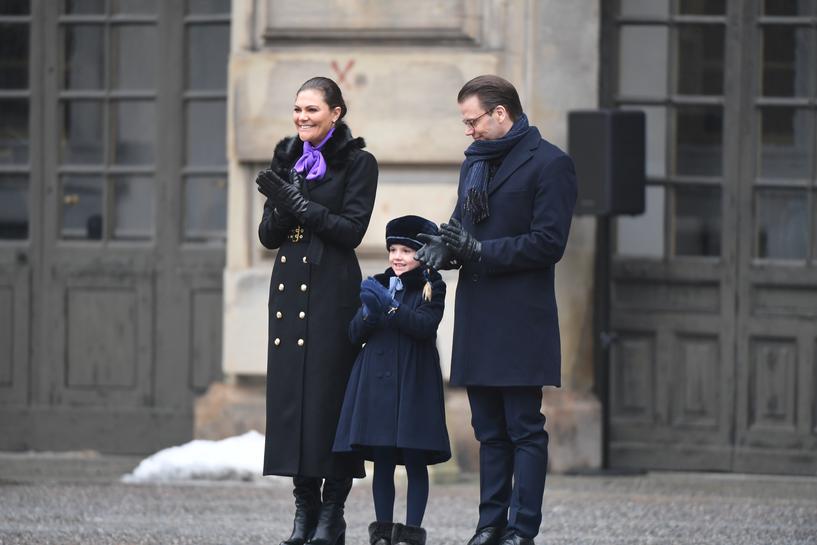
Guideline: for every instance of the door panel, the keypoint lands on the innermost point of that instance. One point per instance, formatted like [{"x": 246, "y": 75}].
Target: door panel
[
  {"x": 15, "y": 308},
  {"x": 102, "y": 342}
]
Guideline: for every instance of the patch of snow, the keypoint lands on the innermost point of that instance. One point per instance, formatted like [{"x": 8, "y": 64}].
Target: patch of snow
[{"x": 237, "y": 458}]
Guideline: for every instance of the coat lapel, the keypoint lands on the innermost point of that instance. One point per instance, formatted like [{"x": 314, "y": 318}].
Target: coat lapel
[{"x": 518, "y": 156}]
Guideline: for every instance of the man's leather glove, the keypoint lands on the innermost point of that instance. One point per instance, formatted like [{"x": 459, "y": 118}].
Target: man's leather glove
[
  {"x": 465, "y": 246},
  {"x": 286, "y": 196},
  {"x": 435, "y": 254}
]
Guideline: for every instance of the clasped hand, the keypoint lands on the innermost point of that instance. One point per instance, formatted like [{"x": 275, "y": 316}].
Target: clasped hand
[
  {"x": 450, "y": 248},
  {"x": 283, "y": 194},
  {"x": 376, "y": 299}
]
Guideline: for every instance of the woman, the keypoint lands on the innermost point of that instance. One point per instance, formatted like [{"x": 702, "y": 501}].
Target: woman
[{"x": 320, "y": 191}]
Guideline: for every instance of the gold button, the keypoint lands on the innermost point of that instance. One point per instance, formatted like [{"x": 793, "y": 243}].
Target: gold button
[
  {"x": 302, "y": 315},
  {"x": 277, "y": 341},
  {"x": 304, "y": 259},
  {"x": 280, "y": 287},
  {"x": 303, "y": 287},
  {"x": 283, "y": 259},
  {"x": 279, "y": 314},
  {"x": 300, "y": 342}
]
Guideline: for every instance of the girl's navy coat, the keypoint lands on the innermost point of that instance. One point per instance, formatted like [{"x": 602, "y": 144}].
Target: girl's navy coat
[{"x": 395, "y": 392}]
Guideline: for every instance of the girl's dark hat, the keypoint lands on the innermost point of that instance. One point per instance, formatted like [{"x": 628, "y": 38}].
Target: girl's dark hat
[{"x": 404, "y": 230}]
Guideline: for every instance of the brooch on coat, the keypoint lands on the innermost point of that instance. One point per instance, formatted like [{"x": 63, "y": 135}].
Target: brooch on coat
[{"x": 296, "y": 234}]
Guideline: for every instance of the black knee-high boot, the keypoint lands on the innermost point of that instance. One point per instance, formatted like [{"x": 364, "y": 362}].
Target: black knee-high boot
[
  {"x": 307, "y": 494},
  {"x": 331, "y": 528}
]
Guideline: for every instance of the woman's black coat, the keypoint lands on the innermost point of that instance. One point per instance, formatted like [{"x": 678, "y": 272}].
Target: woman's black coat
[
  {"x": 313, "y": 296},
  {"x": 395, "y": 394}
]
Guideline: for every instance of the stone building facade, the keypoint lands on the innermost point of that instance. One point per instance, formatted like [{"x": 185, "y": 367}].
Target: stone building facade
[{"x": 400, "y": 65}]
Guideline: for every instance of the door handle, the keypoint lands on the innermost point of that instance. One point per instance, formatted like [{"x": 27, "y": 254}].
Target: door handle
[
  {"x": 22, "y": 258},
  {"x": 71, "y": 199}
]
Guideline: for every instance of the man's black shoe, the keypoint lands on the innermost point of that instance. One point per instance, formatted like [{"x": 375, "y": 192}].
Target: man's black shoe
[
  {"x": 512, "y": 538},
  {"x": 489, "y": 535}
]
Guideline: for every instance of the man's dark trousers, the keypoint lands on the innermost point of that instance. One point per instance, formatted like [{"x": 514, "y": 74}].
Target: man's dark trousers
[{"x": 513, "y": 455}]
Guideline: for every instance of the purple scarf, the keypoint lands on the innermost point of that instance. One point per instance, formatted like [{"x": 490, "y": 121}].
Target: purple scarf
[{"x": 312, "y": 161}]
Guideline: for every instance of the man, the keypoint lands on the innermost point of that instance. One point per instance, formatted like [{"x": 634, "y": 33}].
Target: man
[{"x": 515, "y": 201}]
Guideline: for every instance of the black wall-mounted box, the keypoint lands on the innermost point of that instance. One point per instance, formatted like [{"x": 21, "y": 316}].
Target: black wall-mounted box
[{"x": 608, "y": 149}]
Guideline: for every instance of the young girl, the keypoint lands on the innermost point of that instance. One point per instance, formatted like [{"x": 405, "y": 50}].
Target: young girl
[{"x": 393, "y": 412}]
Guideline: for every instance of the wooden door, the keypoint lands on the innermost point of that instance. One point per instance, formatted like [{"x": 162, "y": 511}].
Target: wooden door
[
  {"x": 776, "y": 389},
  {"x": 715, "y": 287},
  {"x": 125, "y": 285}
]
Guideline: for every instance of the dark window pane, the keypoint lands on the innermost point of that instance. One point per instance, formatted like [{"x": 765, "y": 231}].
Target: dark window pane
[
  {"x": 82, "y": 207},
  {"x": 13, "y": 56},
  {"x": 700, "y": 59},
  {"x": 143, "y": 7},
  {"x": 788, "y": 7},
  {"x": 699, "y": 136},
  {"x": 205, "y": 208},
  {"x": 206, "y": 131},
  {"x": 702, "y": 7},
  {"x": 14, "y": 141},
  {"x": 698, "y": 221},
  {"x": 81, "y": 140},
  {"x": 788, "y": 60},
  {"x": 134, "y": 49},
  {"x": 133, "y": 125},
  {"x": 13, "y": 206},
  {"x": 208, "y": 50},
  {"x": 15, "y": 7},
  {"x": 84, "y": 57},
  {"x": 782, "y": 223},
  {"x": 133, "y": 198},
  {"x": 84, "y": 7},
  {"x": 208, "y": 6},
  {"x": 786, "y": 142}
]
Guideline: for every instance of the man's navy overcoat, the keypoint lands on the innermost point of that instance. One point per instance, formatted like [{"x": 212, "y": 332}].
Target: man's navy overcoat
[{"x": 506, "y": 328}]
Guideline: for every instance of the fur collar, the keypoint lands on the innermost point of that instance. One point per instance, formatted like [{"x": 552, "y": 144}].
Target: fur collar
[
  {"x": 413, "y": 279},
  {"x": 337, "y": 151}
]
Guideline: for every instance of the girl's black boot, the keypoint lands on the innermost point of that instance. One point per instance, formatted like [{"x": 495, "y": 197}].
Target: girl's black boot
[
  {"x": 380, "y": 533},
  {"x": 407, "y": 535}
]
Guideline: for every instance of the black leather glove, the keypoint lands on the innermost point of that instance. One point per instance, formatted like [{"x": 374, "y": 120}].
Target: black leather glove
[
  {"x": 286, "y": 196},
  {"x": 460, "y": 241},
  {"x": 264, "y": 181},
  {"x": 297, "y": 179},
  {"x": 435, "y": 254},
  {"x": 282, "y": 218}
]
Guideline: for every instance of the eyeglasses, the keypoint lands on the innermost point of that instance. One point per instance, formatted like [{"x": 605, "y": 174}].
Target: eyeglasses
[{"x": 471, "y": 122}]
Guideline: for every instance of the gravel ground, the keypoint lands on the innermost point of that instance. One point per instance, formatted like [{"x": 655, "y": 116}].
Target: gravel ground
[{"x": 79, "y": 501}]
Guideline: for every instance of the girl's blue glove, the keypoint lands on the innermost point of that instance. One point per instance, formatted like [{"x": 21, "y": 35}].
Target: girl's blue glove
[
  {"x": 372, "y": 308},
  {"x": 376, "y": 298}
]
